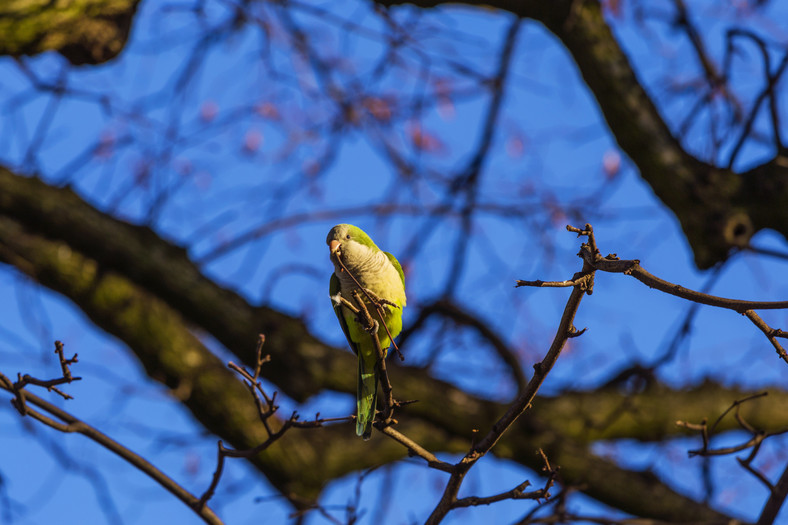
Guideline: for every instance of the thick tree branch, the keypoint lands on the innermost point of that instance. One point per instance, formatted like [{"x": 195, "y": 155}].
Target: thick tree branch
[
  {"x": 125, "y": 277},
  {"x": 172, "y": 355},
  {"x": 165, "y": 270},
  {"x": 718, "y": 209},
  {"x": 83, "y": 31},
  {"x": 133, "y": 283}
]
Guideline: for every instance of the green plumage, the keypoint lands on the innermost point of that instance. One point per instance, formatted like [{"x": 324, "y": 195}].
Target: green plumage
[{"x": 380, "y": 273}]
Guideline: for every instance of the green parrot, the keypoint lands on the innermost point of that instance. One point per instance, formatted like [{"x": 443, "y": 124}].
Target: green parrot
[{"x": 381, "y": 275}]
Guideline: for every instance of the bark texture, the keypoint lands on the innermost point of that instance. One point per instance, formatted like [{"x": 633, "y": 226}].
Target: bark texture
[
  {"x": 83, "y": 31},
  {"x": 718, "y": 209},
  {"x": 146, "y": 292}
]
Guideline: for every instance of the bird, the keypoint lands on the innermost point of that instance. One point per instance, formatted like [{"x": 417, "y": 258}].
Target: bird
[{"x": 378, "y": 276}]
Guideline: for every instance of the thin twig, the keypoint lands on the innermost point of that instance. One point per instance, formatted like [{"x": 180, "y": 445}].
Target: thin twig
[
  {"x": 565, "y": 331},
  {"x": 64, "y": 363},
  {"x": 266, "y": 407},
  {"x": 49, "y": 384},
  {"x": 217, "y": 474},
  {"x": 372, "y": 300},
  {"x": 633, "y": 268},
  {"x": 516, "y": 492},
  {"x": 777, "y": 492},
  {"x": 770, "y": 333},
  {"x": 547, "y": 284},
  {"x": 613, "y": 264},
  {"x": 371, "y": 326},
  {"x": 775, "y": 501},
  {"x": 746, "y": 464},
  {"x": 414, "y": 449},
  {"x": 71, "y": 424}
]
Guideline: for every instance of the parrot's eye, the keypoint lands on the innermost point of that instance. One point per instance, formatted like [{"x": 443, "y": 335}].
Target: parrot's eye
[{"x": 347, "y": 236}]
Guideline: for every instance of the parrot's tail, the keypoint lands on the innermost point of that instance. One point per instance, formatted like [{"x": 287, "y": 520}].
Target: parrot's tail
[{"x": 366, "y": 396}]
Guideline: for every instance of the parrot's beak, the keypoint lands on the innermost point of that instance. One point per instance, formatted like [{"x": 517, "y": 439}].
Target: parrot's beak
[{"x": 334, "y": 247}]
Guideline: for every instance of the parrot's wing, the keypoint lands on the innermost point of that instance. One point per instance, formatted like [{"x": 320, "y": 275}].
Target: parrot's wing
[
  {"x": 397, "y": 265},
  {"x": 334, "y": 289},
  {"x": 367, "y": 388}
]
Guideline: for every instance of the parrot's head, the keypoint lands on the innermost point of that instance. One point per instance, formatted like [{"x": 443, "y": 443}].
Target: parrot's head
[{"x": 349, "y": 242}]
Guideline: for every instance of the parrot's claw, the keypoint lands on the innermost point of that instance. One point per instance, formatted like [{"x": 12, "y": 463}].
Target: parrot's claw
[
  {"x": 373, "y": 329},
  {"x": 388, "y": 304},
  {"x": 380, "y": 301}
]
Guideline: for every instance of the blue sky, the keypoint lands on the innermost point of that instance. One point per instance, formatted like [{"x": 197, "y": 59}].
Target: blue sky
[{"x": 235, "y": 151}]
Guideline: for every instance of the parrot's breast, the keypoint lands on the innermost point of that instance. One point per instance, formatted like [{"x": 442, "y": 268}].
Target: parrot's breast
[{"x": 374, "y": 271}]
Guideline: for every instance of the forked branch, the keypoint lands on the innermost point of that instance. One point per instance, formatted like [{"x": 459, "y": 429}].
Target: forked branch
[
  {"x": 65, "y": 422},
  {"x": 778, "y": 491},
  {"x": 612, "y": 264},
  {"x": 266, "y": 407}
]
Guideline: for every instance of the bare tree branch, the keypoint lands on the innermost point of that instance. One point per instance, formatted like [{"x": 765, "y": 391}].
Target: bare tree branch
[
  {"x": 309, "y": 365},
  {"x": 72, "y": 424},
  {"x": 775, "y": 501},
  {"x": 717, "y": 210}
]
